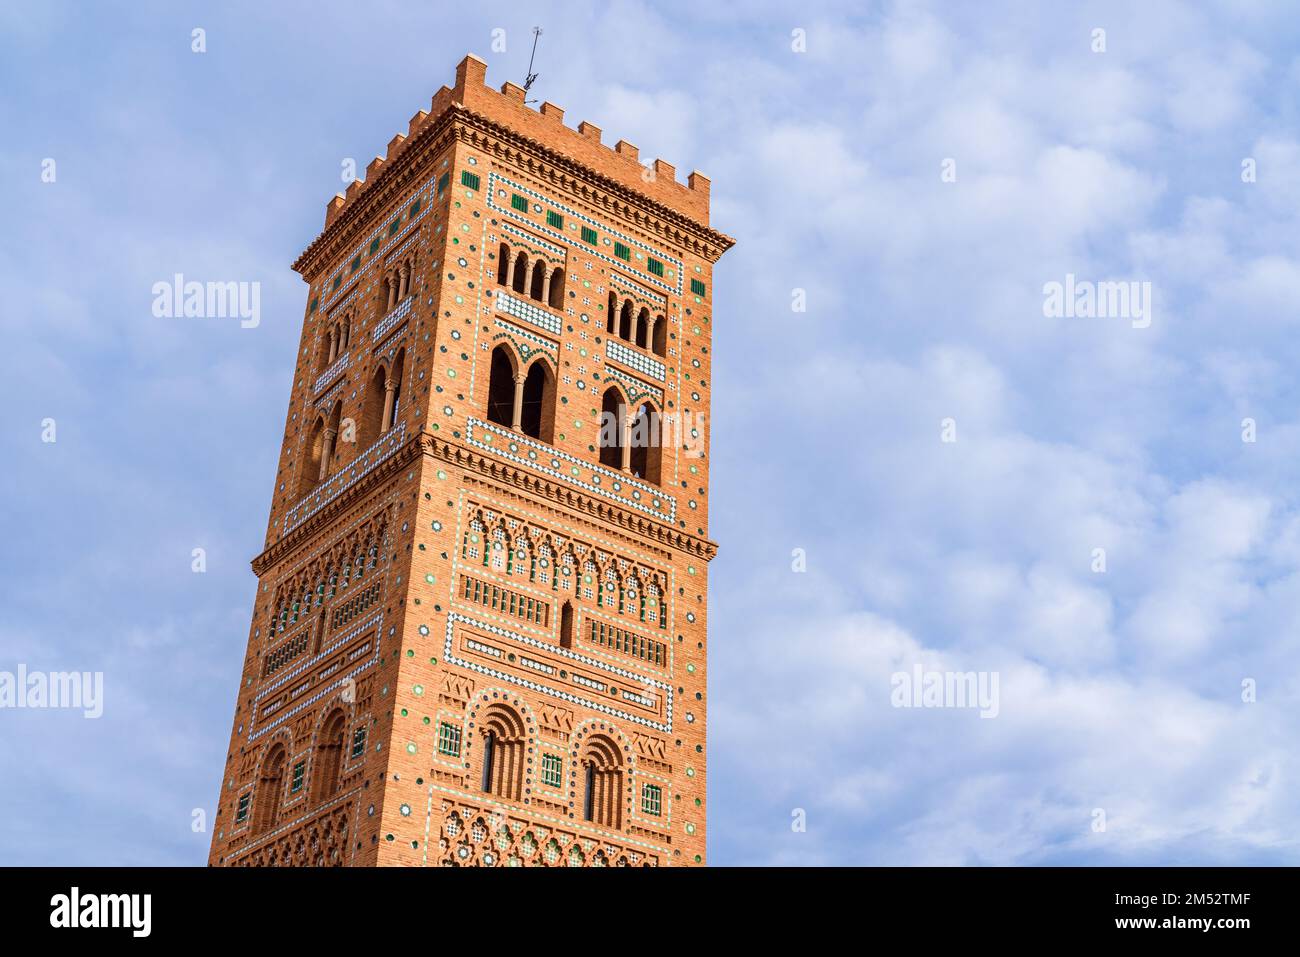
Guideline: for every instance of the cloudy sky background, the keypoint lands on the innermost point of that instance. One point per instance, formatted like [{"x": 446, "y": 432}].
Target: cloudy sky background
[{"x": 1118, "y": 691}]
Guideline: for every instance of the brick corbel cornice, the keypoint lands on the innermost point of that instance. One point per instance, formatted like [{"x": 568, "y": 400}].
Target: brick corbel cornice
[
  {"x": 285, "y": 546},
  {"x": 576, "y": 179},
  {"x": 462, "y": 124},
  {"x": 429, "y": 444},
  {"x": 564, "y": 495}
]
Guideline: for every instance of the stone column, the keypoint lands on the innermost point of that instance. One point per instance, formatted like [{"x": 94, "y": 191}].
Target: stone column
[
  {"x": 626, "y": 464},
  {"x": 517, "y": 417},
  {"x": 404, "y": 286},
  {"x": 390, "y": 387},
  {"x": 546, "y": 286},
  {"x": 326, "y": 452},
  {"x": 392, "y": 293},
  {"x": 510, "y": 269}
]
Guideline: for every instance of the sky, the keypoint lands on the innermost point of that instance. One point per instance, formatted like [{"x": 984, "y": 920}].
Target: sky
[{"x": 917, "y": 464}]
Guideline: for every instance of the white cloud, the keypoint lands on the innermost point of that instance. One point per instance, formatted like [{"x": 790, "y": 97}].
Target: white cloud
[{"x": 1119, "y": 690}]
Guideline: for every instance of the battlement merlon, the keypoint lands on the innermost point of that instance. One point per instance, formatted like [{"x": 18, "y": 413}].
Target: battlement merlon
[{"x": 618, "y": 167}]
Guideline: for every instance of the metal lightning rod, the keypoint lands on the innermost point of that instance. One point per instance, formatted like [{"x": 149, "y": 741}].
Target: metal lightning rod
[{"x": 528, "y": 82}]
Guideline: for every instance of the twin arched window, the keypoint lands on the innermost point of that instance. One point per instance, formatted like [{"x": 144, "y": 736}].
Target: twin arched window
[
  {"x": 382, "y": 405},
  {"x": 320, "y": 450},
  {"x": 397, "y": 283},
  {"x": 503, "y": 739},
  {"x": 383, "y": 400},
  {"x": 326, "y": 771},
  {"x": 521, "y": 399},
  {"x": 630, "y": 443},
  {"x": 534, "y": 278},
  {"x": 636, "y": 325},
  {"x": 338, "y": 337}
]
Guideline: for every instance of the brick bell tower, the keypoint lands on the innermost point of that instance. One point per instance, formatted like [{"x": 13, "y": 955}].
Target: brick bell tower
[{"x": 479, "y": 636}]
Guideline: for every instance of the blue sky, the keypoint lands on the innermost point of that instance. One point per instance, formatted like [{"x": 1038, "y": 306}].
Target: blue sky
[{"x": 1120, "y": 691}]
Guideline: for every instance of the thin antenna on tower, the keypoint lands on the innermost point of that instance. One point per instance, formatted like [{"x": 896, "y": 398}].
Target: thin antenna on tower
[{"x": 528, "y": 82}]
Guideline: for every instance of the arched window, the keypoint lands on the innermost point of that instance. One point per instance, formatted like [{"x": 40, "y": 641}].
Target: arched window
[
  {"x": 393, "y": 392},
  {"x": 537, "y": 414},
  {"x": 557, "y": 288},
  {"x": 625, "y": 321},
  {"x": 659, "y": 337},
  {"x": 566, "y": 625},
  {"x": 602, "y": 765},
  {"x": 372, "y": 412},
  {"x": 538, "y": 280},
  {"x": 503, "y": 264},
  {"x": 270, "y": 788},
  {"x": 327, "y": 352},
  {"x": 329, "y": 447},
  {"x": 611, "y": 320},
  {"x": 641, "y": 335},
  {"x": 310, "y": 476},
  {"x": 388, "y": 292},
  {"x": 611, "y": 428},
  {"x": 503, "y": 738},
  {"x": 328, "y": 760},
  {"x": 405, "y": 277},
  {"x": 501, "y": 388},
  {"x": 644, "y": 438},
  {"x": 521, "y": 273}
]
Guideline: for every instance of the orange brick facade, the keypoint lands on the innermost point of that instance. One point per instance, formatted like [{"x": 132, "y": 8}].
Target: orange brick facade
[{"x": 479, "y": 630}]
